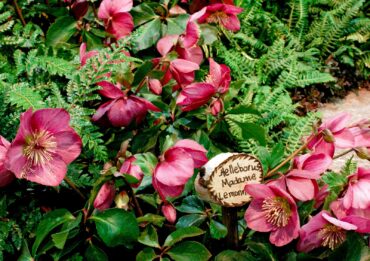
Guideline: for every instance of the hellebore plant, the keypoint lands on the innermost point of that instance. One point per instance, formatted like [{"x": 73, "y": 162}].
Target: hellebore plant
[{"x": 44, "y": 146}]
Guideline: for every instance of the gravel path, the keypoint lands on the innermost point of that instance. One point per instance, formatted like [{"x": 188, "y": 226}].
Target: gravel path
[{"x": 357, "y": 104}]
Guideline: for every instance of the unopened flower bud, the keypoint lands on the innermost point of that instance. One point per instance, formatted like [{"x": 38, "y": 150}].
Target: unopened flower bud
[
  {"x": 122, "y": 200},
  {"x": 363, "y": 153}
]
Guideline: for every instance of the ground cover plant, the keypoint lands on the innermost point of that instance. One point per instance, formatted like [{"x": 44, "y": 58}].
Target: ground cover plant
[{"x": 109, "y": 110}]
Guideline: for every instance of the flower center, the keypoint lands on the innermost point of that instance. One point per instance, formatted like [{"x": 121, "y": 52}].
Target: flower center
[
  {"x": 332, "y": 236},
  {"x": 39, "y": 147},
  {"x": 217, "y": 17},
  {"x": 277, "y": 211}
]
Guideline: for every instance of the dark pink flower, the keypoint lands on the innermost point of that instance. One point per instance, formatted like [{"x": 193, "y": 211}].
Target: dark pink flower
[
  {"x": 358, "y": 193},
  {"x": 272, "y": 210},
  {"x": 183, "y": 72},
  {"x": 84, "y": 56},
  {"x": 105, "y": 196},
  {"x": 333, "y": 133},
  {"x": 195, "y": 95},
  {"x": 301, "y": 180},
  {"x": 222, "y": 14},
  {"x": 43, "y": 147},
  {"x": 129, "y": 167},
  {"x": 117, "y": 20},
  {"x": 169, "y": 212},
  {"x": 219, "y": 76},
  {"x": 184, "y": 45},
  {"x": 122, "y": 109},
  {"x": 79, "y": 8},
  {"x": 6, "y": 176},
  {"x": 357, "y": 217},
  {"x": 323, "y": 230},
  {"x": 177, "y": 167}
]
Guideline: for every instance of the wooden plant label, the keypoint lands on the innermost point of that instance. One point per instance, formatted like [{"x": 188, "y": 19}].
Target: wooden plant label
[{"x": 227, "y": 181}]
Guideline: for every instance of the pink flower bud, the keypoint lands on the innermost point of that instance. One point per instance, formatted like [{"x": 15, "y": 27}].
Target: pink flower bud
[
  {"x": 216, "y": 107},
  {"x": 169, "y": 212},
  {"x": 105, "y": 196},
  {"x": 155, "y": 86}
]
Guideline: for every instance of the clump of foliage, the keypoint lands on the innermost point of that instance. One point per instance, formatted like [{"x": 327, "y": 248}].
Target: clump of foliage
[{"x": 111, "y": 200}]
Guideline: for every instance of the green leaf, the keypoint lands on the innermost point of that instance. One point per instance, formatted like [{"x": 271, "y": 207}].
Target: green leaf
[
  {"x": 141, "y": 72},
  {"x": 142, "y": 13},
  {"x": 149, "y": 237},
  {"x": 209, "y": 33},
  {"x": 61, "y": 30},
  {"x": 262, "y": 250},
  {"x": 147, "y": 254},
  {"x": 25, "y": 253},
  {"x": 177, "y": 25},
  {"x": 152, "y": 218},
  {"x": 25, "y": 97},
  {"x": 253, "y": 131},
  {"x": 231, "y": 255},
  {"x": 243, "y": 109},
  {"x": 116, "y": 227},
  {"x": 192, "y": 205},
  {"x": 147, "y": 162},
  {"x": 50, "y": 221},
  {"x": 189, "y": 250},
  {"x": 94, "y": 253},
  {"x": 181, "y": 234},
  {"x": 305, "y": 209},
  {"x": 145, "y": 140},
  {"x": 277, "y": 155},
  {"x": 217, "y": 229},
  {"x": 190, "y": 220},
  {"x": 149, "y": 34},
  {"x": 60, "y": 239}
]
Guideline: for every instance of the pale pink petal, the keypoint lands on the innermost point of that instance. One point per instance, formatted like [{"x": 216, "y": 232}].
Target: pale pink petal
[
  {"x": 193, "y": 54},
  {"x": 338, "y": 223},
  {"x": 50, "y": 174},
  {"x": 184, "y": 66},
  {"x": 176, "y": 169},
  {"x": 302, "y": 189},
  {"x": 165, "y": 44},
  {"x": 155, "y": 86},
  {"x": 196, "y": 151},
  {"x": 52, "y": 120},
  {"x": 259, "y": 191},
  {"x": 344, "y": 139},
  {"x": 194, "y": 17},
  {"x": 68, "y": 145},
  {"x": 362, "y": 223},
  {"x": 231, "y": 23},
  {"x": 255, "y": 217},
  {"x": 192, "y": 35},
  {"x": 317, "y": 163},
  {"x": 303, "y": 174},
  {"x": 120, "y": 6},
  {"x": 336, "y": 123}
]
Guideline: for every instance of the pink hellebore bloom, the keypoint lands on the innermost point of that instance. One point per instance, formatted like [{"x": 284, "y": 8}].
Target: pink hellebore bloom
[
  {"x": 358, "y": 192},
  {"x": 129, "y": 167},
  {"x": 177, "y": 167},
  {"x": 105, "y": 196},
  {"x": 333, "y": 133},
  {"x": 222, "y": 14},
  {"x": 195, "y": 95},
  {"x": 84, "y": 56},
  {"x": 272, "y": 210},
  {"x": 183, "y": 72},
  {"x": 122, "y": 109},
  {"x": 43, "y": 147},
  {"x": 169, "y": 212},
  {"x": 323, "y": 230},
  {"x": 357, "y": 217},
  {"x": 184, "y": 45},
  {"x": 301, "y": 180},
  {"x": 219, "y": 76},
  {"x": 6, "y": 176},
  {"x": 117, "y": 20}
]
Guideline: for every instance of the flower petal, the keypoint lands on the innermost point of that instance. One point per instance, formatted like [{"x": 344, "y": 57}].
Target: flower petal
[
  {"x": 255, "y": 217},
  {"x": 68, "y": 145}
]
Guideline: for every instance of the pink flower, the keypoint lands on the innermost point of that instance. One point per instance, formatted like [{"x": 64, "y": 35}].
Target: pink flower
[
  {"x": 358, "y": 192},
  {"x": 219, "y": 76},
  {"x": 117, "y": 20},
  {"x": 272, "y": 210},
  {"x": 195, "y": 95},
  {"x": 177, "y": 167},
  {"x": 222, "y": 14},
  {"x": 183, "y": 72},
  {"x": 184, "y": 45},
  {"x": 301, "y": 180},
  {"x": 79, "y": 8},
  {"x": 122, "y": 109},
  {"x": 43, "y": 147},
  {"x": 323, "y": 230},
  {"x": 333, "y": 131},
  {"x": 6, "y": 176},
  {"x": 84, "y": 56},
  {"x": 357, "y": 217},
  {"x": 128, "y": 167},
  {"x": 169, "y": 212},
  {"x": 105, "y": 196}
]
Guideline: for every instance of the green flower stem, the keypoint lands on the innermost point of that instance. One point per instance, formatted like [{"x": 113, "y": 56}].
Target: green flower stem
[
  {"x": 342, "y": 154},
  {"x": 74, "y": 187}
]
